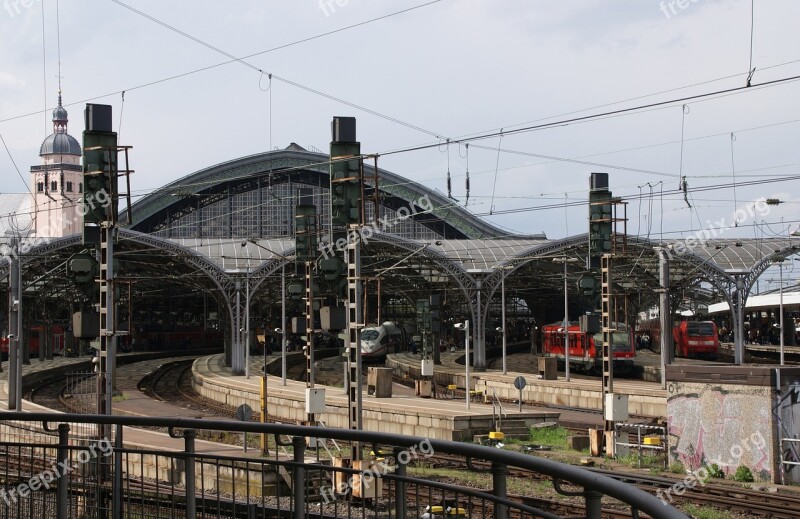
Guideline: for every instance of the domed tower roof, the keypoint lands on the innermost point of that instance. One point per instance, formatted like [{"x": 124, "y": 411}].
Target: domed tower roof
[{"x": 60, "y": 142}]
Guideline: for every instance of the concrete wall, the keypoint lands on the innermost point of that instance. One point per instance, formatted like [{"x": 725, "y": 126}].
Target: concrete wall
[
  {"x": 726, "y": 425},
  {"x": 576, "y": 393},
  {"x": 732, "y": 416},
  {"x": 214, "y": 382}
]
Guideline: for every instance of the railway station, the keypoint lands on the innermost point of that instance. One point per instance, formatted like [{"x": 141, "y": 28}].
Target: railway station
[
  {"x": 288, "y": 331},
  {"x": 236, "y": 284}
]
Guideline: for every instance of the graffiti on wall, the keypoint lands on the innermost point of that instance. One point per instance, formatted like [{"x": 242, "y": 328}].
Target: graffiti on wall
[{"x": 706, "y": 422}]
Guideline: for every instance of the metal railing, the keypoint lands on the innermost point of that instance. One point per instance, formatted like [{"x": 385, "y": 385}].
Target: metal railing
[
  {"x": 658, "y": 431},
  {"x": 47, "y": 471},
  {"x": 500, "y": 412},
  {"x": 786, "y": 447}
]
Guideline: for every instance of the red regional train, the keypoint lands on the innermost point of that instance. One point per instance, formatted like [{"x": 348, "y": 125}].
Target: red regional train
[
  {"x": 33, "y": 341},
  {"x": 585, "y": 350},
  {"x": 692, "y": 339}
]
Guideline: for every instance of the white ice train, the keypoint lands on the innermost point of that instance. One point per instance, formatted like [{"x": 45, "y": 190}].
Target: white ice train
[{"x": 377, "y": 341}]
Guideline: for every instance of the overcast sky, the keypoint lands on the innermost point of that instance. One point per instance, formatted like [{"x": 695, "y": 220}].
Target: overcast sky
[{"x": 452, "y": 68}]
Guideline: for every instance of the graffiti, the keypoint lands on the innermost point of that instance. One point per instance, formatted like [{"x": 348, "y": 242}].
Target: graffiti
[{"x": 705, "y": 423}]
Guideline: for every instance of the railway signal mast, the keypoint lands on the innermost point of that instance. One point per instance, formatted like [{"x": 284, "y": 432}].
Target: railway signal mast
[
  {"x": 99, "y": 204},
  {"x": 347, "y": 218},
  {"x": 602, "y": 247}
]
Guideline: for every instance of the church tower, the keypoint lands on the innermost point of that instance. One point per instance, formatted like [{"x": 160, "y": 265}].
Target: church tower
[{"x": 58, "y": 182}]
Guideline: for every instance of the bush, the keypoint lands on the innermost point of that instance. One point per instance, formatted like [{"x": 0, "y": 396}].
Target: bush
[
  {"x": 715, "y": 472},
  {"x": 743, "y": 474},
  {"x": 677, "y": 468}
]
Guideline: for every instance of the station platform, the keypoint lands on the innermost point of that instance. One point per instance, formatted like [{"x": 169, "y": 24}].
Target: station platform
[
  {"x": 403, "y": 413},
  {"x": 645, "y": 399},
  {"x": 133, "y": 437}
]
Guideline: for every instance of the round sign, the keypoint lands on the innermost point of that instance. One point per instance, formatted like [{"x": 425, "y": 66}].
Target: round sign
[
  {"x": 520, "y": 382},
  {"x": 244, "y": 413}
]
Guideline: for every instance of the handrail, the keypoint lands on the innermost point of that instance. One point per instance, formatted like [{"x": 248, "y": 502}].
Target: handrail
[
  {"x": 502, "y": 412},
  {"x": 591, "y": 482}
]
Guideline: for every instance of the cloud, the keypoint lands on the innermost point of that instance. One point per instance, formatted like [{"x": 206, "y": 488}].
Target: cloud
[{"x": 11, "y": 81}]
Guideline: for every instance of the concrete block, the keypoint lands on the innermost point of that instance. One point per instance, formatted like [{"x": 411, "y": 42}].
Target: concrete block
[
  {"x": 596, "y": 441},
  {"x": 578, "y": 443}
]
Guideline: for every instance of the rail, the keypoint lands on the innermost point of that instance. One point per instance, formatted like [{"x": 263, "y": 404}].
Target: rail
[
  {"x": 64, "y": 477},
  {"x": 500, "y": 413}
]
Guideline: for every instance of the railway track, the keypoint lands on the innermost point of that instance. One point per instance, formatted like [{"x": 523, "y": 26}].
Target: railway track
[
  {"x": 171, "y": 382},
  {"x": 751, "y": 503}
]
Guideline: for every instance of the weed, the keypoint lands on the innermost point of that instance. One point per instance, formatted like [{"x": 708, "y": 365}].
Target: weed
[
  {"x": 677, "y": 468},
  {"x": 552, "y": 436},
  {"x": 743, "y": 474},
  {"x": 706, "y": 512},
  {"x": 715, "y": 472}
]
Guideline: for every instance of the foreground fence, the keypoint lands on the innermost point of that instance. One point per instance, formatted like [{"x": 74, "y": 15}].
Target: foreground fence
[{"x": 81, "y": 466}]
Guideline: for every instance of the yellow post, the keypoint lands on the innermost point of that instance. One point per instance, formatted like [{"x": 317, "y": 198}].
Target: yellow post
[{"x": 264, "y": 436}]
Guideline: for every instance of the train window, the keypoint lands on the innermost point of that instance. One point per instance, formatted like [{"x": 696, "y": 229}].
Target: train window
[
  {"x": 369, "y": 335},
  {"x": 699, "y": 329}
]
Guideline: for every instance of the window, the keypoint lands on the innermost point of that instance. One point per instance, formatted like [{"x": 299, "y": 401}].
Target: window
[
  {"x": 40, "y": 187},
  {"x": 53, "y": 186},
  {"x": 80, "y": 187},
  {"x": 69, "y": 186}
]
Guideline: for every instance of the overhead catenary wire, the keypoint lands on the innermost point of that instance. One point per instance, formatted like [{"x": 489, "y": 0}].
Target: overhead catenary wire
[
  {"x": 242, "y": 61},
  {"x": 44, "y": 74},
  {"x": 733, "y": 173},
  {"x": 496, "y": 167}
]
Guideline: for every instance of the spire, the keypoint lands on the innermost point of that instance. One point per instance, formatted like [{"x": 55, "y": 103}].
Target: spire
[{"x": 60, "y": 117}]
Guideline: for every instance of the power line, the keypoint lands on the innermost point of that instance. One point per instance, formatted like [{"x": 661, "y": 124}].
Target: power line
[
  {"x": 567, "y": 122},
  {"x": 285, "y": 80}
]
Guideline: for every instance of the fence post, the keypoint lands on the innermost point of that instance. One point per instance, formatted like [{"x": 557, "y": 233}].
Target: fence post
[
  {"x": 299, "y": 477},
  {"x": 62, "y": 496},
  {"x": 116, "y": 497},
  {"x": 594, "y": 505},
  {"x": 189, "y": 436},
  {"x": 499, "y": 474},
  {"x": 400, "y": 492}
]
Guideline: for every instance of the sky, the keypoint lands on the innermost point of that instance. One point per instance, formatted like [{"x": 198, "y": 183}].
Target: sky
[{"x": 446, "y": 70}]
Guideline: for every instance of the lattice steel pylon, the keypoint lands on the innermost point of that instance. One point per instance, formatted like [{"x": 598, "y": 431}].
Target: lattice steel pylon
[
  {"x": 354, "y": 325},
  {"x": 309, "y": 297}
]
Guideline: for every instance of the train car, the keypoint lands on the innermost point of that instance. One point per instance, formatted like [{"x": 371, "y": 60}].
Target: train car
[
  {"x": 377, "y": 341},
  {"x": 33, "y": 341},
  {"x": 691, "y": 339},
  {"x": 585, "y": 350}
]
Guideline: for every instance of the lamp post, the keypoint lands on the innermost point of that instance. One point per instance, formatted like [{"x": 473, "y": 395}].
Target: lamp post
[
  {"x": 465, "y": 326},
  {"x": 283, "y": 304},
  {"x": 780, "y": 305},
  {"x": 503, "y": 317}
]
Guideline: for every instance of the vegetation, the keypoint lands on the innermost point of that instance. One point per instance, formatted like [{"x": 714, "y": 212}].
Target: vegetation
[
  {"x": 715, "y": 472},
  {"x": 706, "y": 512},
  {"x": 677, "y": 468},
  {"x": 743, "y": 475},
  {"x": 555, "y": 436}
]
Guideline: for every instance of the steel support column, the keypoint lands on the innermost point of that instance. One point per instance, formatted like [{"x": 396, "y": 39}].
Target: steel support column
[
  {"x": 355, "y": 323},
  {"x": 738, "y": 321},
  {"x": 665, "y": 316}
]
